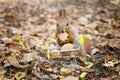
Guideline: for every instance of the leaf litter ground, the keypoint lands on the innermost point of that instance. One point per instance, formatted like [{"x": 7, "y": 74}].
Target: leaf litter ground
[{"x": 25, "y": 27}]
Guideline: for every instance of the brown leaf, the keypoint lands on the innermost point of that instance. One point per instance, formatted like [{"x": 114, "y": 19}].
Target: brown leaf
[
  {"x": 2, "y": 56},
  {"x": 107, "y": 78},
  {"x": 21, "y": 76},
  {"x": 2, "y": 71},
  {"x": 10, "y": 17},
  {"x": 36, "y": 70},
  {"x": 13, "y": 61},
  {"x": 13, "y": 46},
  {"x": 107, "y": 58},
  {"x": 70, "y": 78},
  {"x": 42, "y": 59},
  {"x": 66, "y": 71},
  {"x": 93, "y": 51},
  {"x": 32, "y": 42},
  {"x": 29, "y": 57},
  {"x": 114, "y": 43}
]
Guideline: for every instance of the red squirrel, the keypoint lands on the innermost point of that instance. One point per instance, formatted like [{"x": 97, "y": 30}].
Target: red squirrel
[{"x": 67, "y": 34}]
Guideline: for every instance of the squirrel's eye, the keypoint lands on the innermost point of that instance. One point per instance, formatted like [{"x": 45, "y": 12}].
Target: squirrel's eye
[
  {"x": 57, "y": 24},
  {"x": 67, "y": 24}
]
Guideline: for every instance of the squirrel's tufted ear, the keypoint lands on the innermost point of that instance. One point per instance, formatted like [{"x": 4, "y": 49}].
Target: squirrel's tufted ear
[{"x": 62, "y": 13}]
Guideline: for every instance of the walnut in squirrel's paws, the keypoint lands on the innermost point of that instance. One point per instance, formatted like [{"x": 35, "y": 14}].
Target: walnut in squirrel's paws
[{"x": 63, "y": 36}]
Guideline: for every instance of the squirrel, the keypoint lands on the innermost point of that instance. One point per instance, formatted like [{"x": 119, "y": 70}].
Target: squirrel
[{"x": 67, "y": 34}]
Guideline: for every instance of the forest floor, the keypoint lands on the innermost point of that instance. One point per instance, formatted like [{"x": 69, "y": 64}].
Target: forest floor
[{"x": 28, "y": 26}]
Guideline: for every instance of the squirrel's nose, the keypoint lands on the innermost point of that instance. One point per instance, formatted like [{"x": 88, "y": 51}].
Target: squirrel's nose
[{"x": 62, "y": 31}]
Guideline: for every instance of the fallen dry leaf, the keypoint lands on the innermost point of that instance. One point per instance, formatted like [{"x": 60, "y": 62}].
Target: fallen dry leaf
[
  {"x": 111, "y": 63},
  {"x": 114, "y": 43},
  {"x": 21, "y": 76},
  {"x": 66, "y": 71},
  {"x": 29, "y": 57},
  {"x": 26, "y": 25},
  {"x": 107, "y": 58},
  {"x": 36, "y": 70},
  {"x": 107, "y": 78},
  {"x": 70, "y": 78},
  {"x": 13, "y": 61},
  {"x": 13, "y": 46},
  {"x": 2, "y": 57},
  {"x": 2, "y": 70}
]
